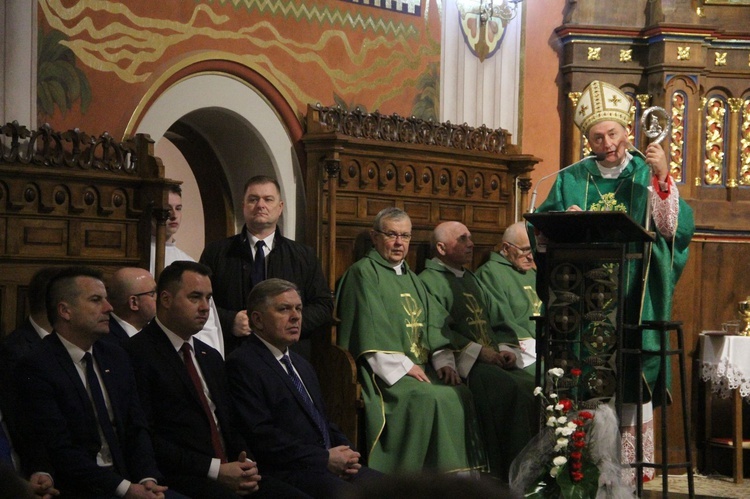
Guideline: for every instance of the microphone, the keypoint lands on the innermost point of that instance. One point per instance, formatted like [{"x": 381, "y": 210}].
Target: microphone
[{"x": 597, "y": 156}]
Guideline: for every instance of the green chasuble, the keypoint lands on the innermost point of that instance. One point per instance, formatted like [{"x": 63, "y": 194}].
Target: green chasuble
[
  {"x": 411, "y": 425},
  {"x": 514, "y": 295},
  {"x": 584, "y": 186},
  {"x": 504, "y": 399}
]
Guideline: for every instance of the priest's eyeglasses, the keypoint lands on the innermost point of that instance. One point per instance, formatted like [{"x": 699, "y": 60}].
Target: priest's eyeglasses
[
  {"x": 390, "y": 236},
  {"x": 523, "y": 251},
  {"x": 151, "y": 293}
]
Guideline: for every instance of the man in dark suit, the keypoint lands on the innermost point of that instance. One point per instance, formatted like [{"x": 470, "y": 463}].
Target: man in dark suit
[
  {"x": 279, "y": 400},
  {"x": 184, "y": 394},
  {"x": 79, "y": 400},
  {"x": 238, "y": 264},
  {"x": 132, "y": 293}
]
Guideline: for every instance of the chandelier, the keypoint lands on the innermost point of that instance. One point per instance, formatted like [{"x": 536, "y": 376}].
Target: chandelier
[{"x": 483, "y": 23}]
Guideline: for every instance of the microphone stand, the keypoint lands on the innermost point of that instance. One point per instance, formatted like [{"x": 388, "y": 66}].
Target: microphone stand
[{"x": 597, "y": 156}]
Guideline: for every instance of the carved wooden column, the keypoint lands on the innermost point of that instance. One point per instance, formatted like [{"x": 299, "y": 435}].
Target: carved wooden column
[
  {"x": 332, "y": 169},
  {"x": 735, "y": 106}
]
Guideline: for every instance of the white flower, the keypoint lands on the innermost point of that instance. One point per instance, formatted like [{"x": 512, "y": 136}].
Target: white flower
[
  {"x": 552, "y": 421},
  {"x": 537, "y": 390},
  {"x": 560, "y": 460},
  {"x": 553, "y": 395},
  {"x": 562, "y": 443},
  {"x": 571, "y": 425},
  {"x": 549, "y": 408},
  {"x": 565, "y": 431},
  {"x": 557, "y": 372},
  {"x": 554, "y": 471},
  {"x": 562, "y": 420},
  {"x": 559, "y": 407}
]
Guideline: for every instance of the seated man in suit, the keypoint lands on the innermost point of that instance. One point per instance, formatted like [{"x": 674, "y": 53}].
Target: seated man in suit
[
  {"x": 184, "y": 394},
  {"x": 280, "y": 403},
  {"x": 79, "y": 400},
  {"x": 132, "y": 293}
]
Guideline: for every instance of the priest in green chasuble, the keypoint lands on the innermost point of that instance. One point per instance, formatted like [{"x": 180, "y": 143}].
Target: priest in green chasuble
[
  {"x": 418, "y": 415},
  {"x": 509, "y": 276},
  {"x": 640, "y": 185},
  {"x": 503, "y": 393}
]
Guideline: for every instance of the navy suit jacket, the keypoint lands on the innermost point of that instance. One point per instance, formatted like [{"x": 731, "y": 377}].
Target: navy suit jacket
[
  {"x": 273, "y": 418},
  {"x": 179, "y": 426},
  {"x": 58, "y": 412},
  {"x": 116, "y": 331}
]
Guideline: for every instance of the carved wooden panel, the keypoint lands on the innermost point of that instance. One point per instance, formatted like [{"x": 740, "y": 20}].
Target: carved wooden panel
[{"x": 68, "y": 198}]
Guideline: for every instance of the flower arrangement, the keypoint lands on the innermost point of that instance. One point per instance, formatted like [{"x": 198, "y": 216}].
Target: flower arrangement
[{"x": 569, "y": 473}]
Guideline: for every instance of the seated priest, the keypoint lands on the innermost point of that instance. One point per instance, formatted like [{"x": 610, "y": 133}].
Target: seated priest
[
  {"x": 503, "y": 393},
  {"x": 509, "y": 276},
  {"x": 418, "y": 415}
]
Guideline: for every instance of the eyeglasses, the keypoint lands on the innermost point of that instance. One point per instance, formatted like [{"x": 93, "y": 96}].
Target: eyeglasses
[
  {"x": 151, "y": 293},
  {"x": 523, "y": 251},
  {"x": 390, "y": 236}
]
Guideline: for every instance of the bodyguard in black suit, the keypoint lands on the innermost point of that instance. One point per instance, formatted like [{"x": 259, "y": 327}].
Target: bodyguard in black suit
[
  {"x": 279, "y": 400},
  {"x": 200, "y": 457},
  {"x": 79, "y": 400}
]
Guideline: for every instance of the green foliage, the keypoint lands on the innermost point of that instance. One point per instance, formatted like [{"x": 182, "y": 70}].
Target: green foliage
[
  {"x": 59, "y": 82},
  {"x": 585, "y": 489},
  {"x": 427, "y": 102}
]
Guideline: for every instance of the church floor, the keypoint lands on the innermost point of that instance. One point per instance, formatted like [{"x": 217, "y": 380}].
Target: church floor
[{"x": 713, "y": 486}]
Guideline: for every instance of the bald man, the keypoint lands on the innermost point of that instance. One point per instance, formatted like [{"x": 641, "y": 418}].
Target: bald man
[
  {"x": 509, "y": 276},
  {"x": 132, "y": 294},
  {"x": 503, "y": 393}
]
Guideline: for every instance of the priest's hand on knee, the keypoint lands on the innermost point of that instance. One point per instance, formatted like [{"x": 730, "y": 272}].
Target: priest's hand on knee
[
  {"x": 449, "y": 376},
  {"x": 417, "y": 373}
]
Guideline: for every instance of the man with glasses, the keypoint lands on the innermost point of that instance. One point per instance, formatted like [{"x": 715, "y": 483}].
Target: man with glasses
[
  {"x": 509, "y": 276},
  {"x": 417, "y": 413},
  {"x": 503, "y": 394},
  {"x": 132, "y": 294}
]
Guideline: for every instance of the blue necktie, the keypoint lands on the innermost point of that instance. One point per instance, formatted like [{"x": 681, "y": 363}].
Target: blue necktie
[
  {"x": 6, "y": 449},
  {"x": 259, "y": 264},
  {"x": 317, "y": 416},
  {"x": 102, "y": 415}
]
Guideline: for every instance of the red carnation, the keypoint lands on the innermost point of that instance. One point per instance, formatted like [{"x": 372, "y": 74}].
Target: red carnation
[
  {"x": 567, "y": 404},
  {"x": 576, "y": 476},
  {"x": 578, "y": 422},
  {"x": 576, "y": 455},
  {"x": 585, "y": 415},
  {"x": 576, "y": 465},
  {"x": 575, "y": 372},
  {"x": 578, "y": 435},
  {"x": 579, "y": 444}
]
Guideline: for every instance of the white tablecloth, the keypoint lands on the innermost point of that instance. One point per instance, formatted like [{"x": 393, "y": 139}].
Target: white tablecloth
[{"x": 725, "y": 361}]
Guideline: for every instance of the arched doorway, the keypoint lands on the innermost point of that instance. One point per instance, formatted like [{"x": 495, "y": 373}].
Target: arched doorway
[{"x": 226, "y": 132}]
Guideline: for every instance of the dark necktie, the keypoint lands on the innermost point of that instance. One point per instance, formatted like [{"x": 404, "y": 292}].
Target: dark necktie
[
  {"x": 6, "y": 449},
  {"x": 317, "y": 416},
  {"x": 102, "y": 415},
  {"x": 195, "y": 378},
  {"x": 259, "y": 264}
]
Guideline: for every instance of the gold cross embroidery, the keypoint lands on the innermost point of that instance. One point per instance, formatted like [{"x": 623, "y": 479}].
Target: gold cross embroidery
[
  {"x": 478, "y": 324},
  {"x": 414, "y": 311},
  {"x": 536, "y": 303}
]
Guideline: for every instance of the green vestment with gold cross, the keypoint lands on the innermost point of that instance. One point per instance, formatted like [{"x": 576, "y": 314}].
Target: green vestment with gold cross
[
  {"x": 583, "y": 185},
  {"x": 410, "y": 425},
  {"x": 504, "y": 399}
]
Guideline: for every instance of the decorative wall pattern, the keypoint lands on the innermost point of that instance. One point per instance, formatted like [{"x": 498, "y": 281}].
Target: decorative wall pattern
[
  {"x": 744, "y": 176},
  {"x": 332, "y": 50}
]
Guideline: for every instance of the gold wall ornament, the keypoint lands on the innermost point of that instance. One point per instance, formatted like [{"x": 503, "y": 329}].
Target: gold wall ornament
[
  {"x": 643, "y": 99},
  {"x": 720, "y": 58},
  {"x": 743, "y": 308},
  {"x": 626, "y": 55},
  {"x": 683, "y": 53},
  {"x": 574, "y": 97},
  {"x": 735, "y": 104},
  {"x": 594, "y": 53},
  {"x": 744, "y": 176},
  {"x": 713, "y": 162},
  {"x": 677, "y": 137}
]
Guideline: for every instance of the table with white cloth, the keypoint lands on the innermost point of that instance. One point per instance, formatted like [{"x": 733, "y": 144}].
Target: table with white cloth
[{"x": 725, "y": 365}]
